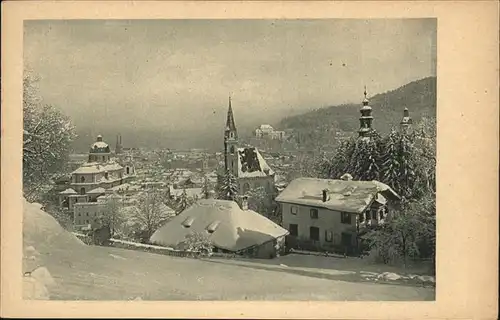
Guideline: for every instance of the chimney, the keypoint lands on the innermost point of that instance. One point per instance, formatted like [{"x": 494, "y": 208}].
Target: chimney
[
  {"x": 325, "y": 195},
  {"x": 244, "y": 203}
]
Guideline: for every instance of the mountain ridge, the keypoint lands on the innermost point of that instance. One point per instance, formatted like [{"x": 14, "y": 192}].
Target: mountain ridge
[{"x": 317, "y": 126}]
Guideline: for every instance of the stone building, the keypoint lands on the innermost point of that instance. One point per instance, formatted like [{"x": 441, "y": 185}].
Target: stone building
[
  {"x": 92, "y": 179},
  {"x": 245, "y": 163},
  {"x": 266, "y": 131}
]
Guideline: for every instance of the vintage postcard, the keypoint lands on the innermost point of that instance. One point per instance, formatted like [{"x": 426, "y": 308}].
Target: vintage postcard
[{"x": 212, "y": 157}]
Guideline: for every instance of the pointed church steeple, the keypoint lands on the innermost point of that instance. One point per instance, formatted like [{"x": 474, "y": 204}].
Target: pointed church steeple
[
  {"x": 231, "y": 132},
  {"x": 366, "y": 119},
  {"x": 230, "y": 142}
]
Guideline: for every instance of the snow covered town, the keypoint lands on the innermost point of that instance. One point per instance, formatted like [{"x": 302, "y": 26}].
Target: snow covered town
[{"x": 336, "y": 203}]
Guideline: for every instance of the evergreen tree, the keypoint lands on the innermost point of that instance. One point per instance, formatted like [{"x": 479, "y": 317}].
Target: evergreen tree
[
  {"x": 227, "y": 188},
  {"x": 334, "y": 168},
  {"x": 205, "y": 189}
]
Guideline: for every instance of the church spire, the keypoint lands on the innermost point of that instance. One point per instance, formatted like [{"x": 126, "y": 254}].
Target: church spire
[
  {"x": 365, "y": 121},
  {"x": 230, "y": 131},
  {"x": 231, "y": 143}
]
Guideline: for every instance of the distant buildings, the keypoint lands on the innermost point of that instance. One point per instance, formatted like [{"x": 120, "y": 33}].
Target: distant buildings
[{"x": 266, "y": 131}]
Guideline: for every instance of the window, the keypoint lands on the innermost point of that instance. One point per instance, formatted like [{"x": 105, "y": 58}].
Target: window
[
  {"x": 106, "y": 175},
  {"x": 82, "y": 179},
  {"x": 294, "y": 209},
  {"x": 345, "y": 217},
  {"x": 294, "y": 229},
  {"x": 314, "y": 213},
  {"x": 374, "y": 214},
  {"x": 328, "y": 236},
  {"x": 367, "y": 214},
  {"x": 87, "y": 214},
  {"x": 79, "y": 214},
  {"x": 381, "y": 213},
  {"x": 232, "y": 149},
  {"x": 82, "y": 191},
  {"x": 128, "y": 170},
  {"x": 314, "y": 233},
  {"x": 361, "y": 217}
]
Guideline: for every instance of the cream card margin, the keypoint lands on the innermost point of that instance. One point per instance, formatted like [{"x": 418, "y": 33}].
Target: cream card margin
[{"x": 467, "y": 207}]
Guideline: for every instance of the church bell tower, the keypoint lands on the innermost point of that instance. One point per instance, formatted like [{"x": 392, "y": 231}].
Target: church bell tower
[
  {"x": 366, "y": 119},
  {"x": 231, "y": 143}
]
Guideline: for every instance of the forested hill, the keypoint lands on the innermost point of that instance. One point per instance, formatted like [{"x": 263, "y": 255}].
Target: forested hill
[{"x": 418, "y": 96}]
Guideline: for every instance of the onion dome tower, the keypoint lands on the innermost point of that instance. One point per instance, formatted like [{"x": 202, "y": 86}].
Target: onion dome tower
[
  {"x": 366, "y": 119},
  {"x": 406, "y": 121}
]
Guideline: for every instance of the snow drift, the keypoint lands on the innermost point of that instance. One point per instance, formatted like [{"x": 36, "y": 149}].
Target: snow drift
[{"x": 42, "y": 234}]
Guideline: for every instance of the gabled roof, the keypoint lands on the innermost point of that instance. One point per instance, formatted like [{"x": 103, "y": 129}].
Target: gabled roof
[
  {"x": 68, "y": 191},
  {"x": 252, "y": 164},
  {"x": 346, "y": 196},
  {"x": 234, "y": 229}
]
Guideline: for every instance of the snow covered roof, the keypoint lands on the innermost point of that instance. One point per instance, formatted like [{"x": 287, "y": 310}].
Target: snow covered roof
[
  {"x": 68, "y": 191},
  {"x": 99, "y": 146},
  {"x": 252, "y": 164},
  {"x": 234, "y": 229},
  {"x": 266, "y": 127},
  {"x": 97, "y": 191},
  {"x": 95, "y": 167},
  {"x": 346, "y": 196}
]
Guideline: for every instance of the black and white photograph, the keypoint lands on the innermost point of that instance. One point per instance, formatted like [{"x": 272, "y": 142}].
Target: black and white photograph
[{"x": 229, "y": 159}]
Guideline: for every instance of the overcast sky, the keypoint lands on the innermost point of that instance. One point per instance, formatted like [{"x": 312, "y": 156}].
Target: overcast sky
[{"x": 177, "y": 74}]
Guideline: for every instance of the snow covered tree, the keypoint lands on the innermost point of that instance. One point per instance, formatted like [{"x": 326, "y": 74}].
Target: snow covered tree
[
  {"x": 183, "y": 202},
  {"x": 227, "y": 187},
  {"x": 358, "y": 157},
  {"x": 47, "y": 138},
  {"x": 411, "y": 232},
  {"x": 150, "y": 213},
  {"x": 197, "y": 242},
  {"x": 398, "y": 163},
  {"x": 258, "y": 201},
  {"x": 113, "y": 215}
]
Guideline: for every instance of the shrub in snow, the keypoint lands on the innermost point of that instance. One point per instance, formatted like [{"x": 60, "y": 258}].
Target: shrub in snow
[{"x": 197, "y": 243}]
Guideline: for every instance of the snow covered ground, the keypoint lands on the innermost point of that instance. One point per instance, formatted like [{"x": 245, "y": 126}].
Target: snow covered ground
[{"x": 63, "y": 268}]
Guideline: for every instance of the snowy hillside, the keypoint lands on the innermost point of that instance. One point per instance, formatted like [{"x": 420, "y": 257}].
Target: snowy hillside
[{"x": 63, "y": 268}]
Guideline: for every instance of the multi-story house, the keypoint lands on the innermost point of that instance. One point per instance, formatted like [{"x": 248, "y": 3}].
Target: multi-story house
[{"x": 324, "y": 214}]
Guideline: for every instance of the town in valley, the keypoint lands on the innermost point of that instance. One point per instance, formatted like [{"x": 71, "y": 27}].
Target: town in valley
[{"x": 332, "y": 202}]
